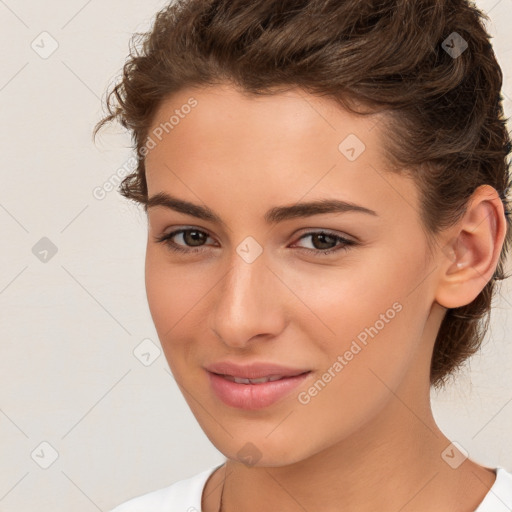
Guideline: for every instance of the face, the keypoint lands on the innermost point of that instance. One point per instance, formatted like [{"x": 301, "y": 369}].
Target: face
[{"x": 343, "y": 294}]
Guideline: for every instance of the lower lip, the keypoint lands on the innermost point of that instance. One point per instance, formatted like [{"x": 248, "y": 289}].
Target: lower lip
[{"x": 253, "y": 396}]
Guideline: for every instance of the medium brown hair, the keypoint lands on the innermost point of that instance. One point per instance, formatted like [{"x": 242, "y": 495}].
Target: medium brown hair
[{"x": 442, "y": 101}]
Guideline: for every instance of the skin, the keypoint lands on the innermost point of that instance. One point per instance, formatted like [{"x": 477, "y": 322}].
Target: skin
[{"x": 368, "y": 441}]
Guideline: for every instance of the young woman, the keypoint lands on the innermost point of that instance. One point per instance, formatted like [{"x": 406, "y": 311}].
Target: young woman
[{"x": 326, "y": 189}]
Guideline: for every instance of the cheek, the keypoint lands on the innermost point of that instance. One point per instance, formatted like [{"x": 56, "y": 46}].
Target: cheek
[
  {"x": 367, "y": 315},
  {"x": 159, "y": 288},
  {"x": 177, "y": 298},
  {"x": 377, "y": 332},
  {"x": 171, "y": 291},
  {"x": 168, "y": 298}
]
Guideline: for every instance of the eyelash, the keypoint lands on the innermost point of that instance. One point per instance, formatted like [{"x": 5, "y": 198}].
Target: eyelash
[{"x": 165, "y": 239}]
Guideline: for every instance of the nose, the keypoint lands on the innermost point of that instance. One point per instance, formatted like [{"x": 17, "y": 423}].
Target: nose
[{"x": 249, "y": 302}]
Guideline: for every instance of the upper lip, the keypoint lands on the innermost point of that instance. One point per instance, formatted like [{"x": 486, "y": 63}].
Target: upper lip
[{"x": 253, "y": 370}]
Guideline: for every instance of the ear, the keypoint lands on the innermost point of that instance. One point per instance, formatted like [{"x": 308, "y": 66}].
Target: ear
[{"x": 468, "y": 260}]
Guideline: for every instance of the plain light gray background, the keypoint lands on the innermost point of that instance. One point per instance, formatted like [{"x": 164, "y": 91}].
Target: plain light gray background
[{"x": 114, "y": 425}]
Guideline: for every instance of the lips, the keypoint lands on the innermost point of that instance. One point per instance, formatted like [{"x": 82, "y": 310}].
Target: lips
[
  {"x": 253, "y": 386},
  {"x": 252, "y": 396},
  {"x": 254, "y": 371}
]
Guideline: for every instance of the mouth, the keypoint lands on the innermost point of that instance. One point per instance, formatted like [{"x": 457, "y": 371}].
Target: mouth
[
  {"x": 253, "y": 394},
  {"x": 254, "y": 370},
  {"x": 261, "y": 380}
]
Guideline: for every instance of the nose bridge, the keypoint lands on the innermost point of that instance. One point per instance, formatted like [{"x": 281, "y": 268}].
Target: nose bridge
[{"x": 247, "y": 299}]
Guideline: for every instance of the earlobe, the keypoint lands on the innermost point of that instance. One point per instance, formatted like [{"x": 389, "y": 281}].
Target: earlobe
[{"x": 468, "y": 261}]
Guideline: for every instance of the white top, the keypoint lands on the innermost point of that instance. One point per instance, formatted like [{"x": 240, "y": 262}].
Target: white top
[{"x": 185, "y": 495}]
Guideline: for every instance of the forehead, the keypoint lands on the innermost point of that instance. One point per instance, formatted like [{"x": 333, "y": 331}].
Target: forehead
[
  {"x": 266, "y": 120},
  {"x": 218, "y": 144}
]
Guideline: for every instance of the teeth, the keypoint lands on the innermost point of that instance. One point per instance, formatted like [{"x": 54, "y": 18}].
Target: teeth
[{"x": 240, "y": 380}]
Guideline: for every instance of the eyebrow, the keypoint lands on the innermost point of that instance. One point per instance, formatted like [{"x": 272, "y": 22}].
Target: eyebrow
[{"x": 272, "y": 216}]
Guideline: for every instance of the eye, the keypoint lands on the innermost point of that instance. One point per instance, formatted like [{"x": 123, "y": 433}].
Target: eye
[
  {"x": 193, "y": 236},
  {"x": 323, "y": 239},
  {"x": 194, "y": 239}
]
